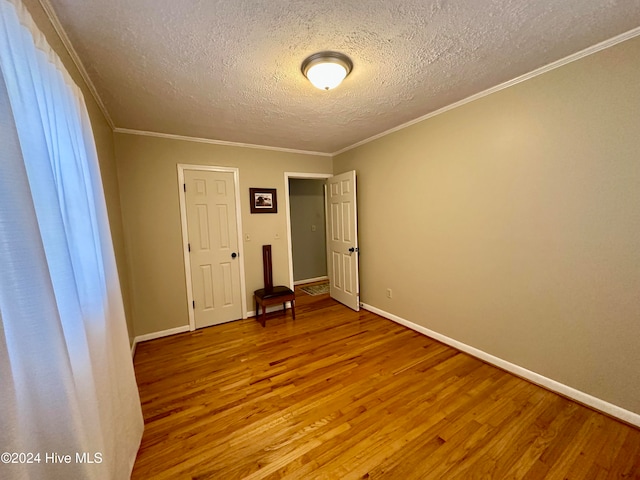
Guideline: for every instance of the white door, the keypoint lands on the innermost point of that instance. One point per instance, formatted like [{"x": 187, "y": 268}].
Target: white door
[
  {"x": 342, "y": 239},
  {"x": 213, "y": 246}
]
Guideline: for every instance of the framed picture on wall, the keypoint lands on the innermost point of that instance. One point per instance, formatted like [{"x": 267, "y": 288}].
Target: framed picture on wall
[{"x": 263, "y": 200}]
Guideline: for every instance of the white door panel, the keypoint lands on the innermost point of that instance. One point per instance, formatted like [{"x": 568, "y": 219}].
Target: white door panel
[
  {"x": 213, "y": 240},
  {"x": 343, "y": 239}
]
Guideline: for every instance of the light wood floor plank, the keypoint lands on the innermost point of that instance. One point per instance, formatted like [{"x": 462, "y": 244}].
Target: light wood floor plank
[{"x": 338, "y": 394}]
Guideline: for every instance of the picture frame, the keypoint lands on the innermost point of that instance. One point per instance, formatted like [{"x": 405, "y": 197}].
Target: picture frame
[{"x": 263, "y": 200}]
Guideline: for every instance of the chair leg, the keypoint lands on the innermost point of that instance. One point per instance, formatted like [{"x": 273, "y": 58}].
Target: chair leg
[
  {"x": 293, "y": 309},
  {"x": 264, "y": 315},
  {"x": 258, "y": 318}
]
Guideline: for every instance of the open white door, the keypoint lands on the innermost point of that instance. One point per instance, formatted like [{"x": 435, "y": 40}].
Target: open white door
[{"x": 342, "y": 239}]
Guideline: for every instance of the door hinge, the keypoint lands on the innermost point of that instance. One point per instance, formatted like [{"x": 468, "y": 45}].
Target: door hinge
[
  {"x": 184, "y": 185},
  {"x": 189, "y": 246},
  {"x": 194, "y": 304}
]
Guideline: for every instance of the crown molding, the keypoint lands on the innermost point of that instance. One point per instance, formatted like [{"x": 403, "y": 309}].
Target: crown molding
[
  {"x": 185, "y": 138},
  {"x": 55, "y": 22},
  {"x": 534, "y": 73}
]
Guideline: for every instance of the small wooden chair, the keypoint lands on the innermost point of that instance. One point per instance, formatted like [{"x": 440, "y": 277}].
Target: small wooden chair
[{"x": 270, "y": 295}]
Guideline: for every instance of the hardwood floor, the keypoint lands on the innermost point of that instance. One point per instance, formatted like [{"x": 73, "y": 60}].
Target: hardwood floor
[{"x": 337, "y": 394}]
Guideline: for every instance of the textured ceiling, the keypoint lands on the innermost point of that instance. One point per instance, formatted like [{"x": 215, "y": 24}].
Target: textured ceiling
[{"x": 229, "y": 70}]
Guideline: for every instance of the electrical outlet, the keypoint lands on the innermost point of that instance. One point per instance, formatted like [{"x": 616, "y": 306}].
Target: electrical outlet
[
  {"x": 389, "y": 293},
  {"x": 247, "y": 238}
]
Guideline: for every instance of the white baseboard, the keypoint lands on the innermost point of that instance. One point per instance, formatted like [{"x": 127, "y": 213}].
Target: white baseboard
[
  {"x": 185, "y": 328},
  {"x": 310, "y": 280},
  {"x": 154, "y": 335},
  {"x": 577, "y": 395}
]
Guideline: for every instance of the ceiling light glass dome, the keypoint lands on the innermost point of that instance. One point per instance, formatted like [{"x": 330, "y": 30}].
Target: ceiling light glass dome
[{"x": 326, "y": 70}]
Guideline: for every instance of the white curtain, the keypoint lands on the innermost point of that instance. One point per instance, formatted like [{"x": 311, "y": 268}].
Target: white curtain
[{"x": 67, "y": 380}]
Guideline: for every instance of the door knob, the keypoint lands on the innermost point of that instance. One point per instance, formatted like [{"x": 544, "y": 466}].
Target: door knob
[{"x": 234, "y": 255}]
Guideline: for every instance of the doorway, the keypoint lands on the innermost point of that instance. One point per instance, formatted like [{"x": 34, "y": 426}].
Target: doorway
[
  {"x": 341, "y": 235},
  {"x": 308, "y": 238},
  {"x": 303, "y": 226}
]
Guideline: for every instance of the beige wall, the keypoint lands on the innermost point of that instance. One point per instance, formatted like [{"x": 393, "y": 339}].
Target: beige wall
[
  {"x": 147, "y": 168},
  {"x": 512, "y": 224},
  {"x": 105, "y": 147}
]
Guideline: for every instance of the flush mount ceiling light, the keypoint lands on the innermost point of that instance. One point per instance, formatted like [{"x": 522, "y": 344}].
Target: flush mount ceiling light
[{"x": 326, "y": 70}]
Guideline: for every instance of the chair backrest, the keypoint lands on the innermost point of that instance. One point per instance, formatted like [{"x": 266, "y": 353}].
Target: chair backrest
[{"x": 267, "y": 267}]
